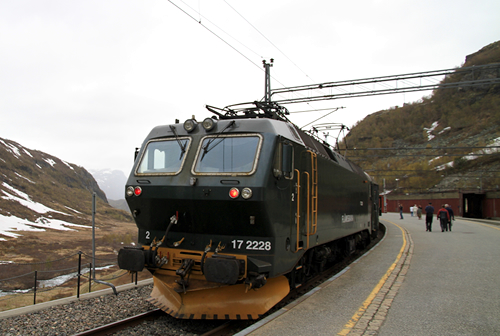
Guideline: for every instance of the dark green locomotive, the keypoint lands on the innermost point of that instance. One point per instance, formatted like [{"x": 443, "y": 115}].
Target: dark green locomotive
[{"x": 234, "y": 211}]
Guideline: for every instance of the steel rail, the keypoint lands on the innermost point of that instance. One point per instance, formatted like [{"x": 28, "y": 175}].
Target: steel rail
[{"x": 122, "y": 324}]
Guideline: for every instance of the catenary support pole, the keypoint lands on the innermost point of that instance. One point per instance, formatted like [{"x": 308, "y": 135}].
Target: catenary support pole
[{"x": 93, "y": 250}]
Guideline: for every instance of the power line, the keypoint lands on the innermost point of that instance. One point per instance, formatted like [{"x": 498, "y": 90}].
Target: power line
[
  {"x": 420, "y": 155},
  {"x": 232, "y": 47},
  {"x": 421, "y": 148},
  {"x": 268, "y": 40},
  {"x": 220, "y": 38}
]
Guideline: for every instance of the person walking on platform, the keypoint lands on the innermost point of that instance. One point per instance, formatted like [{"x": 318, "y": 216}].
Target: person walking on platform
[
  {"x": 429, "y": 213},
  {"x": 419, "y": 211},
  {"x": 400, "y": 211},
  {"x": 444, "y": 216},
  {"x": 452, "y": 215}
]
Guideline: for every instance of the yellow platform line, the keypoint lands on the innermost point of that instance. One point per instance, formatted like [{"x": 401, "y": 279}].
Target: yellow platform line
[{"x": 355, "y": 318}]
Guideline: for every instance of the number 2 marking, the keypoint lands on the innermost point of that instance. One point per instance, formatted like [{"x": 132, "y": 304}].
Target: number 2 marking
[{"x": 148, "y": 234}]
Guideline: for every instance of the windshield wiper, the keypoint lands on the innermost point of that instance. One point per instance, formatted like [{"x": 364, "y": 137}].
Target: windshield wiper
[
  {"x": 183, "y": 147},
  {"x": 206, "y": 148}
]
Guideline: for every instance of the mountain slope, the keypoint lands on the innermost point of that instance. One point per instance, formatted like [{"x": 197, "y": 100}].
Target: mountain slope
[
  {"x": 40, "y": 191},
  {"x": 418, "y": 138}
]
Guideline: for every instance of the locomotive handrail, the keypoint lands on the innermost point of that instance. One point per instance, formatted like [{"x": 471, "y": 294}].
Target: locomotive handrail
[
  {"x": 312, "y": 201},
  {"x": 314, "y": 166},
  {"x": 298, "y": 248},
  {"x": 308, "y": 208}
]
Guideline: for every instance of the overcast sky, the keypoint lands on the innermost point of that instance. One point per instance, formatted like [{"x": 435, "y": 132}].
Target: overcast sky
[{"x": 87, "y": 80}]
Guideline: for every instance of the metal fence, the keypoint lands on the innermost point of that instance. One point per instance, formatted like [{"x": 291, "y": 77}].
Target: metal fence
[{"x": 26, "y": 279}]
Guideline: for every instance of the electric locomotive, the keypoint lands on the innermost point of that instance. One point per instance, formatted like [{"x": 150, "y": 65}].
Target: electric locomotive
[{"x": 236, "y": 210}]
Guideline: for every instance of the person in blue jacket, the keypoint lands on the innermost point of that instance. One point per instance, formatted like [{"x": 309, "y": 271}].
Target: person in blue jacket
[{"x": 429, "y": 213}]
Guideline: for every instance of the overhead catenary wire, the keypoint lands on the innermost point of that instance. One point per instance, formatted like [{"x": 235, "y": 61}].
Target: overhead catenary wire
[
  {"x": 216, "y": 35},
  {"x": 234, "y": 48},
  {"x": 268, "y": 40},
  {"x": 297, "y": 94}
]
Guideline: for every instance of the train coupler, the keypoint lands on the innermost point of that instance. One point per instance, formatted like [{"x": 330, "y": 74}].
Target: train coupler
[
  {"x": 185, "y": 269},
  {"x": 255, "y": 281}
]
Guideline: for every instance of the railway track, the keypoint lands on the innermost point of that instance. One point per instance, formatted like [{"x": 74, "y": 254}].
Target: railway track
[{"x": 114, "y": 327}]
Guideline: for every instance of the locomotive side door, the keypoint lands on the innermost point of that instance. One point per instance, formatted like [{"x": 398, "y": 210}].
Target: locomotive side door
[{"x": 306, "y": 203}]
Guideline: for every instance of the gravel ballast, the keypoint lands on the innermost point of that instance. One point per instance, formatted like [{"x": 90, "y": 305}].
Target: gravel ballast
[{"x": 84, "y": 314}]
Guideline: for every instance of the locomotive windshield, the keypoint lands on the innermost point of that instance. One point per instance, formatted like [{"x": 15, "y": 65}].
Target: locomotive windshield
[
  {"x": 229, "y": 154},
  {"x": 164, "y": 157}
]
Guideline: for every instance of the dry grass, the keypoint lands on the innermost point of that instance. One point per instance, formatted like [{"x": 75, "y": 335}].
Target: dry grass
[
  {"x": 70, "y": 288},
  {"x": 46, "y": 250}
]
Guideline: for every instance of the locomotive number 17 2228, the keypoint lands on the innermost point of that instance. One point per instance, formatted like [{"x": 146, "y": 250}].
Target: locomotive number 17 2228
[{"x": 258, "y": 245}]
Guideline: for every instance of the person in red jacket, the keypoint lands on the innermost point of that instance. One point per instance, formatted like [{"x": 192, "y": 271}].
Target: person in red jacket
[{"x": 444, "y": 216}]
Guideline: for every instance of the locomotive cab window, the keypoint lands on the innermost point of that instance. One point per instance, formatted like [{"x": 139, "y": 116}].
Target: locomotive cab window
[
  {"x": 163, "y": 157},
  {"x": 283, "y": 160},
  {"x": 228, "y": 155}
]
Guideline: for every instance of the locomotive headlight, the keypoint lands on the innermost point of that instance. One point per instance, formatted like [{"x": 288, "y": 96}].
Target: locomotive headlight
[
  {"x": 234, "y": 192},
  {"x": 130, "y": 191},
  {"x": 209, "y": 124},
  {"x": 246, "y": 193},
  {"x": 190, "y": 125}
]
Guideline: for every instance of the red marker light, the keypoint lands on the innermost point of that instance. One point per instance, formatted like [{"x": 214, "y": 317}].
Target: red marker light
[
  {"x": 234, "y": 192},
  {"x": 137, "y": 191}
]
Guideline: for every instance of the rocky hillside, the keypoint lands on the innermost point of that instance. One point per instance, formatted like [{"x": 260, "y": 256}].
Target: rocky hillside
[
  {"x": 446, "y": 141},
  {"x": 38, "y": 190}
]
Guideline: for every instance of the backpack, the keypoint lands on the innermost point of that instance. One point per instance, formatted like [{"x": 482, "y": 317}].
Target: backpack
[{"x": 443, "y": 214}]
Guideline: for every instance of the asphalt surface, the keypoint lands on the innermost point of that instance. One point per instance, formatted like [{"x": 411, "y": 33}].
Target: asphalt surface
[{"x": 412, "y": 283}]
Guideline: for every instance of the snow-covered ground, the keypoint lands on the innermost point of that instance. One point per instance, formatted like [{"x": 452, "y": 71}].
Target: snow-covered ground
[{"x": 10, "y": 226}]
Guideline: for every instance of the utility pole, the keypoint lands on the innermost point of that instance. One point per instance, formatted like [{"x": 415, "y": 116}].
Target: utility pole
[{"x": 92, "y": 271}]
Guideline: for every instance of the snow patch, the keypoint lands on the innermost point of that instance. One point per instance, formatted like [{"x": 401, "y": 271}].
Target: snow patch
[
  {"x": 472, "y": 155},
  {"x": 11, "y": 148},
  {"x": 9, "y": 224},
  {"x": 26, "y": 201},
  {"x": 444, "y": 130},
  {"x": 436, "y": 158},
  {"x": 29, "y": 154},
  {"x": 50, "y": 162},
  {"x": 69, "y": 166},
  {"x": 72, "y": 209},
  {"x": 27, "y": 179},
  {"x": 430, "y": 136}
]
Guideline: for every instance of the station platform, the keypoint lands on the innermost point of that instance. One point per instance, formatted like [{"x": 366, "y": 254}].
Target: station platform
[{"x": 412, "y": 282}]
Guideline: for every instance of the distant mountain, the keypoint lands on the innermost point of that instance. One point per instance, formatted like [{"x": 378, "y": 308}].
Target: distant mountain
[
  {"x": 112, "y": 182},
  {"x": 448, "y": 140},
  {"x": 39, "y": 191},
  {"x": 119, "y": 204}
]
